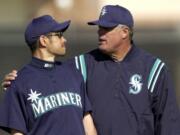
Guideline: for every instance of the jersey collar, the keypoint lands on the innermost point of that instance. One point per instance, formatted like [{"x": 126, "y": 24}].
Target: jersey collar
[
  {"x": 131, "y": 53},
  {"x": 42, "y": 63}
]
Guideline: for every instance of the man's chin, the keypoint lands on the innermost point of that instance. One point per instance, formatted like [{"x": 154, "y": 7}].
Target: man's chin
[
  {"x": 103, "y": 50},
  {"x": 61, "y": 54}
]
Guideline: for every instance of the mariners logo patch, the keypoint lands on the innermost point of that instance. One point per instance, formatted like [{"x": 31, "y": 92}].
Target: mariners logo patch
[{"x": 135, "y": 84}]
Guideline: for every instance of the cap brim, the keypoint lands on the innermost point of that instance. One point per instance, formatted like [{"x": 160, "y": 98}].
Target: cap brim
[
  {"x": 61, "y": 26},
  {"x": 103, "y": 23}
]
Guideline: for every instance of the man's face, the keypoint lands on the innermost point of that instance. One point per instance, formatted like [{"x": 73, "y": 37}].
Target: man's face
[
  {"x": 56, "y": 44},
  {"x": 110, "y": 39}
]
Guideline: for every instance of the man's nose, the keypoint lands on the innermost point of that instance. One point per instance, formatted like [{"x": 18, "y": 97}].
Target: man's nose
[{"x": 64, "y": 39}]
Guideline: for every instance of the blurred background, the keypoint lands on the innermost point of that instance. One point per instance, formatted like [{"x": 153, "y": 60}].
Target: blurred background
[{"x": 157, "y": 29}]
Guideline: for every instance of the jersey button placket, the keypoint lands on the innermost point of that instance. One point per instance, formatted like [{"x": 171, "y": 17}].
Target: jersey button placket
[
  {"x": 52, "y": 78},
  {"x": 116, "y": 94}
]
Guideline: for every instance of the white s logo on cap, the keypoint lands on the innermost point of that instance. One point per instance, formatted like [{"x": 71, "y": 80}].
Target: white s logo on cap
[{"x": 103, "y": 11}]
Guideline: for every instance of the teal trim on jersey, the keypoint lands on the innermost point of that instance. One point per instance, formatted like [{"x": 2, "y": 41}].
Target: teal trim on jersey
[
  {"x": 157, "y": 75},
  {"x": 83, "y": 67},
  {"x": 153, "y": 70},
  {"x": 77, "y": 63}
]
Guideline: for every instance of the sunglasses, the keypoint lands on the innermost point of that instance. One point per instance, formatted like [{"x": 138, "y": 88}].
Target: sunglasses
[{"x": 58, "y": 34}]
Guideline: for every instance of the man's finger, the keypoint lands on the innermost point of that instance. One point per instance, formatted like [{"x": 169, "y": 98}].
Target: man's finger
[
  {"x": 8, "y": 78},
  {"x": 14, "y": 71},
  {"x": 6, "y": 84},
  {"x": 12, "y": 74}
]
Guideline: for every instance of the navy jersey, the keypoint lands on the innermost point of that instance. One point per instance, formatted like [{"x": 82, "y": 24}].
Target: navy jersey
[
  {"x": 45, "y": 99},
  {"x": 131, "y": 97}
]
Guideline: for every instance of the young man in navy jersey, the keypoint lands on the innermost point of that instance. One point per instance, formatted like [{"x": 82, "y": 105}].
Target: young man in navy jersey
[
  {"x": 47, "y": 97},
  {"x": 130, "y": 90}
]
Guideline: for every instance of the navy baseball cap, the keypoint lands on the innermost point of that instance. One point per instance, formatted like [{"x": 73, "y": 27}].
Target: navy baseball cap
[
  {"x": 43, "y": 25},
  {"x": 112, "y": 16}
]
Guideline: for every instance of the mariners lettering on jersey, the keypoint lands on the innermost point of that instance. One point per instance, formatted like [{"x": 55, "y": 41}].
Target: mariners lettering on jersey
[
  {"x": 41, "y": 105},
  {"x": 135, "y": 84}
]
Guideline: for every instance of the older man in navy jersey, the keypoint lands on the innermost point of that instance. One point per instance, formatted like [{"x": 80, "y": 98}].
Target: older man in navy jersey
[
  {"x": 47, "y": 97},
  {"x": 130, "y": 90}
]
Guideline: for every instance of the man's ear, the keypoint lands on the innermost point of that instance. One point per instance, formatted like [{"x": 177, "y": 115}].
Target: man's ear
[
  {"x": 43, "y": 40},
  {"x": 125, "y": 33}
]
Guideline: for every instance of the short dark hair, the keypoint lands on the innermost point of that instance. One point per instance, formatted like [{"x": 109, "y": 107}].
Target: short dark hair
[{"x": 34, "y": 46}]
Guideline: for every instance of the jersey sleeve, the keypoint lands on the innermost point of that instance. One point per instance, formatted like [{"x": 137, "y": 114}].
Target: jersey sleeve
[
  {"x": 79, "y": 62},
  {"x": 12, "y": 111},
  {"x": 164, "y": 106},
  {"x": 85, "y": 101}
]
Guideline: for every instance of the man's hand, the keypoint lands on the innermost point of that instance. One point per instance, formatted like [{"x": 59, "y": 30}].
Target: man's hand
[
  {"x": 88, "y": 124},
  {"x": 8, "y": 78}
]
